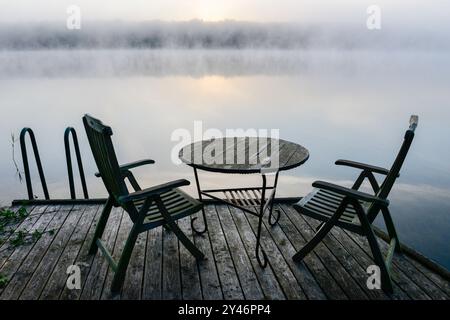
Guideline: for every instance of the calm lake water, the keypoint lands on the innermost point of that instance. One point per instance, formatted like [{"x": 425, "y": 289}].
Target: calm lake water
[{"x": 354, "y": 105}]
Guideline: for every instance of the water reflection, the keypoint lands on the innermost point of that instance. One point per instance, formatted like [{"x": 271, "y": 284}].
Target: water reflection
[{"x": 352, "y": 105}]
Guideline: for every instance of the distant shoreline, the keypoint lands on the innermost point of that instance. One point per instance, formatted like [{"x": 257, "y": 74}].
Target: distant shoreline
[{"x": 229, "y": 34}]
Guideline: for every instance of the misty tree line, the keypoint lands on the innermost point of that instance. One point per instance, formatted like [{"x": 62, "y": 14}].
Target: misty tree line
[
  {"x": 199, "y": 34},
  {"x": 192, "y": 34}
]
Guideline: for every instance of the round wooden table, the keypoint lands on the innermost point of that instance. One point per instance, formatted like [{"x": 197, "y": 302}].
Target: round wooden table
[{"x": 244, "y": 155}]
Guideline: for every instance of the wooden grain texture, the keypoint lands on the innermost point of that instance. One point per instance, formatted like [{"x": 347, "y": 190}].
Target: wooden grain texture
[
  {"x": 48, "y": 262},
  {"x": 243, "y": 154},
  {"x": 10, "y": 225},
  {"x": 190, "y": 278},
  {"x": 171, "y": 279},
  {"x": 350, "y": 264},
  {"x": 6, "y": 249},
  {"x": 58, "y": 277},
  {"x": 27, "y": 268},
  {"x": 83, "y": 260},
  {"x": 304, "y": 277},
  {"x": 209, "y": 278},
  {"x": 229, "y": 280},
  {"x": 313, "y": 262},
  {"x": 403, "y": 265},
  {"x": 132, "y": 288},
  {"x": 412, "y": 289},
  {"x": 247, "y": 277},
  {"x": 272, "y": 289},
  {"x": 281, "y": 269},
  {"x": 93, "y": 285},
  {"x": 153, "y": 266},
  {"x": 342, "y": 277},
  {"x": 161, "y": 268}
]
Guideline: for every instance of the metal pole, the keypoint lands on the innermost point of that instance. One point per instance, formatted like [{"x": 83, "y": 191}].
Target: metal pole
[
  {"x": 272, "y": 201},
  {"x": 203, "y": 209},
  {"x": 26, "y": 167},
  {"x": 67, "y": 133},
  {"x": 263, "y": 263}
]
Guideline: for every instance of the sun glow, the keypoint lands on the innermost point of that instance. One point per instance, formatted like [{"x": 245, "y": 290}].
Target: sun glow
[{"x": 211, "y": 11}]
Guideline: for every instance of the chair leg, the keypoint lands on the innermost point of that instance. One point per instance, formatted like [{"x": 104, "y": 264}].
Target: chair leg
[
  {"x": 321, "y": 233},
  {"x": 188, "y": 244},
  {"x": 386, "y": 282},
  {"x": 320, "y": 225},
  {"x": 179, "y": 233},
  {"x": 119, "y": 275},
  {"x": 101, "y": 225},
  {"x": 391, "y": 228}
]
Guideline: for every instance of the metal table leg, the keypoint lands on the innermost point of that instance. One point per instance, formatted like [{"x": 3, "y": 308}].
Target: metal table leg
[
  {"x": 261, "y": 256},
  {"x": 205, "y": 223},
  {"x": 262, "y": 262},
  {"x": 271, "y": 203}
]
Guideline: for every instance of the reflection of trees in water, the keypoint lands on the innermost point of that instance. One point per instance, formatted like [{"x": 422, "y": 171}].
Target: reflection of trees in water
[{"x": 195, "y": 62}]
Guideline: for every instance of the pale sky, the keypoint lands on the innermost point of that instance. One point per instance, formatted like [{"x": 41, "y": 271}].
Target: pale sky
[{"x": 433, "y": 13}]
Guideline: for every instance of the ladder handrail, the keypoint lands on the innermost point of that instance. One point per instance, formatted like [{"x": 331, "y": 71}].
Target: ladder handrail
[
  {"x": 26, "y": 166},
  {"x": 71, "y": 131}
]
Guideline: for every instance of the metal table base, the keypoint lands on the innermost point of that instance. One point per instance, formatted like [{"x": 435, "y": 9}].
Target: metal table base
[{"x": 243, "y": 199}]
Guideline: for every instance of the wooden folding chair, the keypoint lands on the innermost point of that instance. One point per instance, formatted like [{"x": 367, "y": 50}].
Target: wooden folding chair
[
  {"x": 160, "y": 205},
  {"x": 356, "y": 211}
]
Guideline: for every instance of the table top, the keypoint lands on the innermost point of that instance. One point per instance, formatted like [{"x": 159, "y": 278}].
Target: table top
[{"x": 244, "y": 155}]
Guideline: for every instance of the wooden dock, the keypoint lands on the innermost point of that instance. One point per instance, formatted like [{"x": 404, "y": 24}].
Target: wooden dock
[{"x": 161, "y": 268}]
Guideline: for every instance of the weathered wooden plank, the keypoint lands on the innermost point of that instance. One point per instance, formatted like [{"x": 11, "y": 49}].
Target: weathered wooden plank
[
  {"x": 40, "y": 268},
  {"x": 171, "y": 282},
  {"x": 428, "y": 286},
  {"x": 402, "y": 280},
  {"x": 229, "y": 281},
  {"x": 19, "y": 254},
  {"x": 132, "y": 286},
  {"x": 303, "y": 274},
  {"x": 348, "y": 262},
  {"x": 58, "y": 278},
  {"x": 401, "y": 262},
  {"x": 243, "y": 154},
  {"x": 269, "y": 284},
  {"x": 42, "y": 272},
  {"x": 312, "y": 261},
  {"x": 8, "y": 227},
  {"x": 362, "y": 258},
  {"x": 25, "y": 271},
  {"x": 346, "y": 282},
  {"x": 6, "y": 249},
  {"x": 116, "y": 251},
  {"x": 442, "y": 283},
  {"x": 282, "y": 271},
  {"x": 190, "y": 278},
  {"x": 83, "y": 260},
  {"x": 93, "y": 285},
  {"x": 247, "y": 277},
  {"x": 152, "y": 289},
  {"x": 209, "y": 278}
]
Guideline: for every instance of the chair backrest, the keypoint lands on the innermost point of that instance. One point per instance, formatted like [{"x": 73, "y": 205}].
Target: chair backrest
[
  {"x": 394, "y": 172},
  {"x": 99, "y": 137}
]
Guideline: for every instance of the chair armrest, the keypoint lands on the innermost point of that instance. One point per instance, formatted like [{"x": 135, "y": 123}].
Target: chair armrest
[
  {"x": 156, "y": 190},
  {"x": 362, "y": 166},
  {"x": 136, "y": 164},
  {"x": 349, "y": 192},
  {"x": 131, "y": 165}
]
